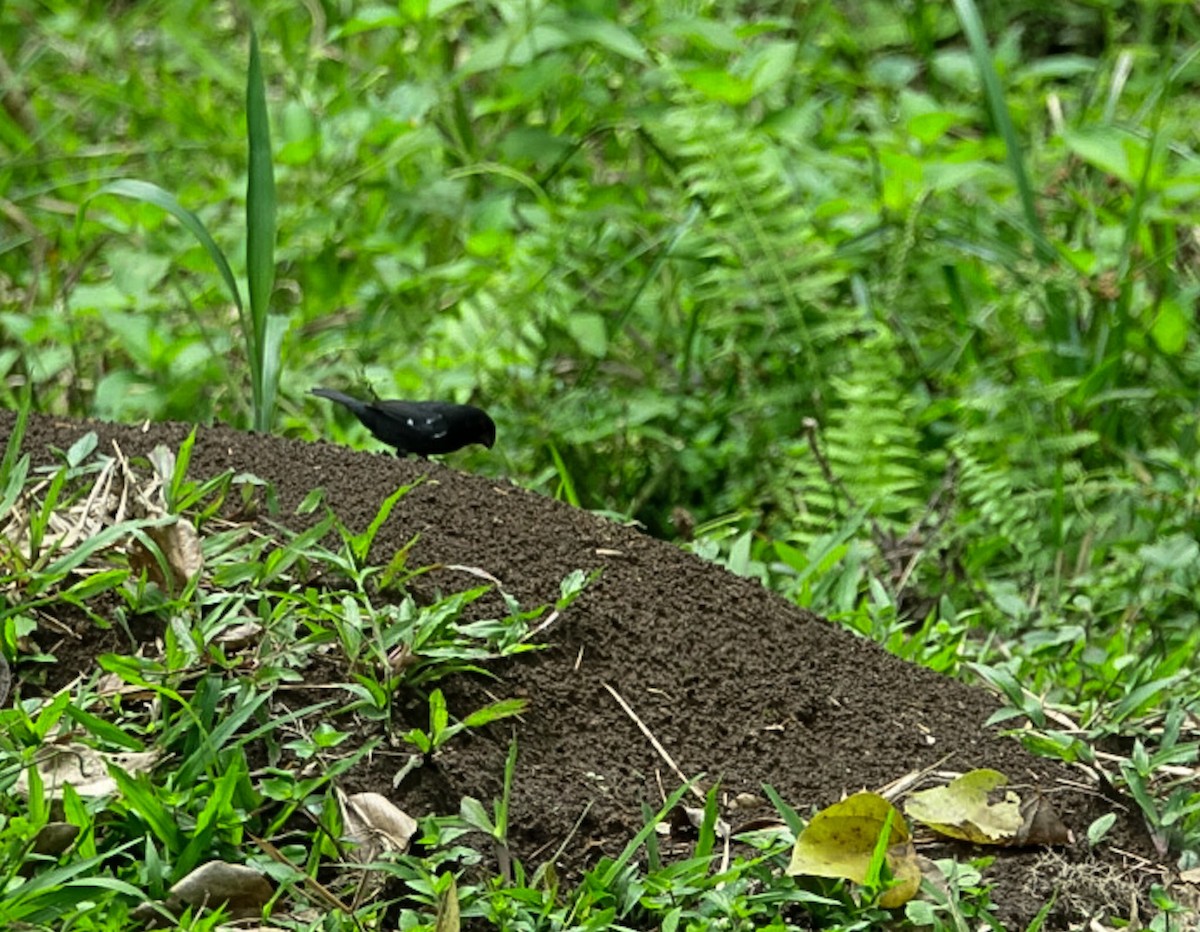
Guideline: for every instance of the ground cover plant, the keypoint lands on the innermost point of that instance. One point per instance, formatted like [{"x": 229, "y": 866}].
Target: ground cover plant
[
  {"x": 888, "y": 307},
  {"x": 269, "y": 609},
  {"x": 573, "y": 823}
]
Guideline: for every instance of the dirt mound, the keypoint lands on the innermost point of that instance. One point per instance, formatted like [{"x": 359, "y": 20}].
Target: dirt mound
[{"x": 732, "y": 680}]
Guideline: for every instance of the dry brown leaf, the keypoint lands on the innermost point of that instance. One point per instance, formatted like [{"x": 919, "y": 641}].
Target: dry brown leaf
[
  {"x": 244, "y": 889},
  {"x": 54, "y": 838},
  {"x": 695, "y": 818},
  {"x": 745, "y": 802},
  {"x": 84, "y": 768},
  {"x": 1041, "y": 825},
  {"x": 243, "y": 634},
  {"x": 180, "y": 544},
  {"x": 375, "y": 825}
]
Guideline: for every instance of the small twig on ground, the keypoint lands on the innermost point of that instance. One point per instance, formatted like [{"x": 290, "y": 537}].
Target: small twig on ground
[
  {"x": 318, "y": 889},
  {"x": 558, "y": 852},
  {"x": 655, "y": 743},
  {"x": 476, "y": 571},
  {"x": 901, "y": 785},
  {"x": 534, "y": 632}
]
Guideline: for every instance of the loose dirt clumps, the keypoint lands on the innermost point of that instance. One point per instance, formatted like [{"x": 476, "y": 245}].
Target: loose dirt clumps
[{"x": 733, "y": 681}]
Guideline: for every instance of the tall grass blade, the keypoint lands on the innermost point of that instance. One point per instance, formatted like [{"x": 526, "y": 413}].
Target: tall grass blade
[
  {"x": 260, "y": 246},
  {"x": 968, "y": 15},
  {"x": 14, "y": 467}
]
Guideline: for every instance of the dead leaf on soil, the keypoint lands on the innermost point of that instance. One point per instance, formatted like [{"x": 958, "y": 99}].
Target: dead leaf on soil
[
  {"x": 840, "y": 841},
  {"x": 761, "y": 824},
  {"x": 243, "y": 888},
  {"x": 375, "y": 825},
  {"x": 477, "y": 571},
  {"x": 240, "y": 635},
  {"x": 84, "y": 768},
  {"x": 695, "y": 816},
  {"x": 180, "y": 546},
  {"x": 973, "y": 808},
  {"x": 1040, "y": 824},
  {"x": 54, "y": 838},
  {"x": 178, "y": 541},
  {"x": 682, "y": 818}
]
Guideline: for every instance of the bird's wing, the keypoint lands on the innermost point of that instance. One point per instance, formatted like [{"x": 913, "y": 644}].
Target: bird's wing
[{"x": 428, "y": 423}]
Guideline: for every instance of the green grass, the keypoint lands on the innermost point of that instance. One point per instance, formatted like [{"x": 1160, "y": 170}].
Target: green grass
[
  {"x": 219, "y": 689},
  {"x": 892, "y": 303},
  {"x": 170, "y": 789}
]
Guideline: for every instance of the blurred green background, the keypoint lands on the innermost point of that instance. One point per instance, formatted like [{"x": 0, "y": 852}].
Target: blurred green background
[{"x": 891, "y": 305}]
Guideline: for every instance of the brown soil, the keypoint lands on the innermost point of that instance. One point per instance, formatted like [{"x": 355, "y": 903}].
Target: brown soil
[{"x": 734, "y": 682}]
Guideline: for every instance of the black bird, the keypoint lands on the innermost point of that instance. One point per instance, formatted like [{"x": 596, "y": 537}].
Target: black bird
[{"x": 420, "y": 427}]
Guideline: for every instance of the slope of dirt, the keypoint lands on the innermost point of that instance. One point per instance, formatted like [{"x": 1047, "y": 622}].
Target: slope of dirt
[{"x": 733, "y": 681}]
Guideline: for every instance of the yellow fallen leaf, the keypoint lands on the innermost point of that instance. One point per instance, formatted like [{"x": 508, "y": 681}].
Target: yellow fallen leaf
[
  {"x": 840, "y": 842},
  {"x": 969, "y": 808}
]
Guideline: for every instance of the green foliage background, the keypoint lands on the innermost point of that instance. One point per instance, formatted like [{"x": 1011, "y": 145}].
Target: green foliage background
[{"x": 899, "y": 323}]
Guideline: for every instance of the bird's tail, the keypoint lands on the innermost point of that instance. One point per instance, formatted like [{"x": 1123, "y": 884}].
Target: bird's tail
[{"x": 352, "y": 403}]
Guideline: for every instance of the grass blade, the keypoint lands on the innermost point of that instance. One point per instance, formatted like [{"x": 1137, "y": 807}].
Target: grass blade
[
  {"x": 968, "y": 16},
  {"x": 260, "y": 245}
]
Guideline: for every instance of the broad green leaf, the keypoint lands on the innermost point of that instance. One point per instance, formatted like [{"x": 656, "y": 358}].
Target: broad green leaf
[
  {"x": 91, "y": 586},
  {"x": 589, "y": 331},
  {"x": 718, "y": 84},
  {"x": 300, "y": 137},
  {"x": 505, "y": 50},
  {"x": 1170, "y": 327},
  {"x": 449, "y": 916},
  {"x": 369, "y": 18},
  {"x": 929, "y": 127},
  {"x": 607, "y": 34},
  {"x": 472, "y": 812},
  {"x": 707, "y": 34},
  {"x": 1110, "y": 149},
  {"x": 103, "y": 730},
  {"x": 771, "y": 64},
  {"x": 505, "y": 708},
  {"x": 82, "y": 448}
]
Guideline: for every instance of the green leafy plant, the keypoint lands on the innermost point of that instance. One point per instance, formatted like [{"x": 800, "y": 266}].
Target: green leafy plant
[
  {"x": 262, "y": 331},
  {"x": 894, "y": 319},
  {"x": 441, "y": 729}
]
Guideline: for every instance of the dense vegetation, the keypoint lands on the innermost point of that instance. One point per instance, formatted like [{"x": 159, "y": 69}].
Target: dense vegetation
[{"x": 889, "y": 304}]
